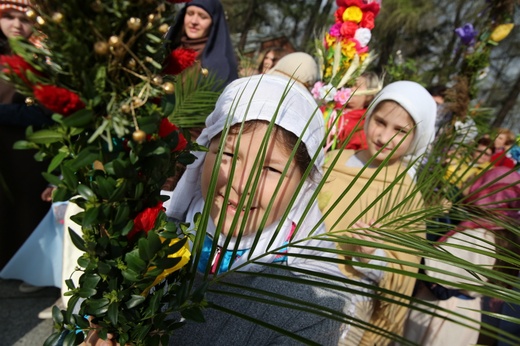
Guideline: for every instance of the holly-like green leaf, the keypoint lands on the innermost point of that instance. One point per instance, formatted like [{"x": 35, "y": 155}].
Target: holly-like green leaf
[
  {"x": 113, "y": 313},
  {"x": 46, "y": 136},
  {"x": 77, "y": 240},
  {"x": 134, "y": 301},
  {"x": 87, "y": 193},
  {"x": 81, "y": 118},
  {"x": 97, "y": 306}
]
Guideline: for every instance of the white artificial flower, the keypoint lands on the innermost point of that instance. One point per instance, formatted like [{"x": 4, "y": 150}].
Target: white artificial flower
[
  {"x": 327, "y": 92},
  {"x": 363, "y": 36}
]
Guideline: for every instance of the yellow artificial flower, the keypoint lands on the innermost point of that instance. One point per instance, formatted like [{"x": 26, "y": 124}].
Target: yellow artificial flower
[
  {"x": 501, "y": 32},
  {"x": 184, "y": 253},
  {"x": 348, "y": 49},
  {"x": 331, "y": 40},
  {"x": 353, "y": 14},
  {"x": 328, "y": 72},
  {"x": 362, "y": 57}
]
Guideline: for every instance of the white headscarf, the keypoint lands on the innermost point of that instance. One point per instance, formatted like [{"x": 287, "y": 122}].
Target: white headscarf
[
  {"x": 259, "y": 97},
  {"x": 421, "y": 106}
]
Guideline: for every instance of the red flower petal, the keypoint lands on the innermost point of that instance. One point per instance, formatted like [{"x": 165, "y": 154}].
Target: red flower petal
[
  {"x": 58, "y": 100},
  {"x": 179, "y": 59}
]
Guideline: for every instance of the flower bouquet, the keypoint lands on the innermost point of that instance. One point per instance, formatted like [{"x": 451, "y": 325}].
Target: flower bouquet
[
  {"x": 100, "y": 73},
  {"x": 343, "y": 55}
]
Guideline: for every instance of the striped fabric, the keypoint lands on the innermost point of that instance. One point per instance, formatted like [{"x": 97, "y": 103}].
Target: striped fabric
[{"x": 19, "y": 5}]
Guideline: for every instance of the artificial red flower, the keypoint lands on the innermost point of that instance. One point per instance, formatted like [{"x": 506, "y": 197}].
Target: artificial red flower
[
  {"x": 18, "y": 65},
  {"x": 166, "y": 127},
  {"x": 368, "y": 20},
  {"x": 370, "y": 7},
  {"x": 338, "y": 15},
  {"x": 145, "y": 220},
  {"x": 58, "y": 100},
  {"x": 181, "y": 144},
  {"x": 348, "y": 29},
  {"x": 179, "y": 60}
]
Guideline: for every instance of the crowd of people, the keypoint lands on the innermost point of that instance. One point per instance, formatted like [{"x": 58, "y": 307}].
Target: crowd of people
[{"x": 369, "y": 183}]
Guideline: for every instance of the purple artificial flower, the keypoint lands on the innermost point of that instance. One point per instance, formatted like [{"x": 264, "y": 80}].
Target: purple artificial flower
[{"x": 467, "y": 34}]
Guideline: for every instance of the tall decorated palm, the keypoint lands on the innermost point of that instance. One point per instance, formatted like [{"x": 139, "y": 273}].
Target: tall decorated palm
[{"x": 100, "y": 70}]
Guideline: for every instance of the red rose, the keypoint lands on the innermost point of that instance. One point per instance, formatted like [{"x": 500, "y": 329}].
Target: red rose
[
  {"x": 348, "y": 29},
  {"x": 179, "y": 60},
  {"x": 16, "y": 64},
  {"x": 368, "y": 20},
  {"x": 145, "y": 220},
  {"x": 58, "y": 100}
]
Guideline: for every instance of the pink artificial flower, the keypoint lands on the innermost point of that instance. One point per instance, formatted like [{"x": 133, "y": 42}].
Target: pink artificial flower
[
  {"x": 335, "y": 30},
  {"x": 342, "y": 96},
  {"x": 316, "y": 89}
]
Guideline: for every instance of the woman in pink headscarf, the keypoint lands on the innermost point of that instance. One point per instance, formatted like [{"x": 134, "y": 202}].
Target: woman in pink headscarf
[{"x": 493, "y": 203}]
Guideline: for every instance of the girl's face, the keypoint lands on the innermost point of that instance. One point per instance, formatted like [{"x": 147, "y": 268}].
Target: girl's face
[
  {"x": 500, "y": 141},
  {"x": 15, "y": 24},
  {"x": 482, "y": 154},
  {"x": 389, "y": 124},
  {"x": 271, "y": 173},
  {"x": 358, "y": 101},
  {"x": 268, "y": 61},
  {"x": 197, "y": 22}
]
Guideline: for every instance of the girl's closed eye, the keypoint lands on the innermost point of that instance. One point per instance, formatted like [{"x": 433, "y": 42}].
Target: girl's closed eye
[{"x": 273, "y": 169}]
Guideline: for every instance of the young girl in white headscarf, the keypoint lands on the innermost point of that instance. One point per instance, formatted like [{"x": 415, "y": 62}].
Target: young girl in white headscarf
[
  {"x": 237, "y": 128},
  {"x": 376, "y": 188}
]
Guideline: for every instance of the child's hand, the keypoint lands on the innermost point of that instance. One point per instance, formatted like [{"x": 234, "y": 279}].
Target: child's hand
[
  {"x": 366, "y": 235},
  {"x": 93, "y": 338}
]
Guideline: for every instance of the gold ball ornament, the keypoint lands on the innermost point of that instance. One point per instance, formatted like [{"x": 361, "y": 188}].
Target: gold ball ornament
[
  {"x": 204, "y": 71},
  {"x": 131, "y": 64},
  {"x": 31, "y": 14},
  {"x": 96, "y": 6},
  {"x": 134, "y": 24},
  {"x": 114, "y": 41},
  {"x": 168, "y": 88},
  {"x": 57, "y": 17},
  {"x": 29, "y": 101},
  {"x": 151, "y": 17},
  {"x": 139, "y": 136},
  {"x": 40, "y": 20},
  {"x": 157, "y": 80},
  {"x": 163, "y": 29},
  {"x": 101, "y": 48},
  {"x": 126, "y": 108}
]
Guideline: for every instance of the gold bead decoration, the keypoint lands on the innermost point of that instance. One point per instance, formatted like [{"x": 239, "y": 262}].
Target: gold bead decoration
[
  {"x": 137, "y": 102},
  {"x": 157, "y": 80},
  {"x": 168, "y": 88},
  {"x": 101, "y": 48},
  {"x": 57, "y": 17},
  {"x": 131, "y": 64},
  {"x": 134, "y": 24},
  {"x": 29, "y": 101},
  {"x": 204, "y": 71},
  {"x": 114, "y": 41},
  {"x": 40, "y": 20},
  {"x": 96, "y": 6},
  {"x": 151, "y": 17},
  {"x": 163, "y": 29},
  {"x": 31, "y": 14},
  {"x": 126, "y": 108},
  {"x": 139, "y": 136}
]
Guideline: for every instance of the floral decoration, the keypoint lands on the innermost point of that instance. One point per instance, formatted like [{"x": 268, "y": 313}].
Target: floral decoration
[
  {"x": 343, "y": 55},
  {"x": 58, "y": 100},
  {"x": 179, "y": 60},
  {"x": 467, "y": 34},
  {"x": 17, "y": 65}
]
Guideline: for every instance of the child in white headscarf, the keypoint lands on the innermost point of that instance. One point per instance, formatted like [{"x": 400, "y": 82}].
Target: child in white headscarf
[
  {"x": 240, "y": 204},
  {"x": 376, "y": 188}
]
